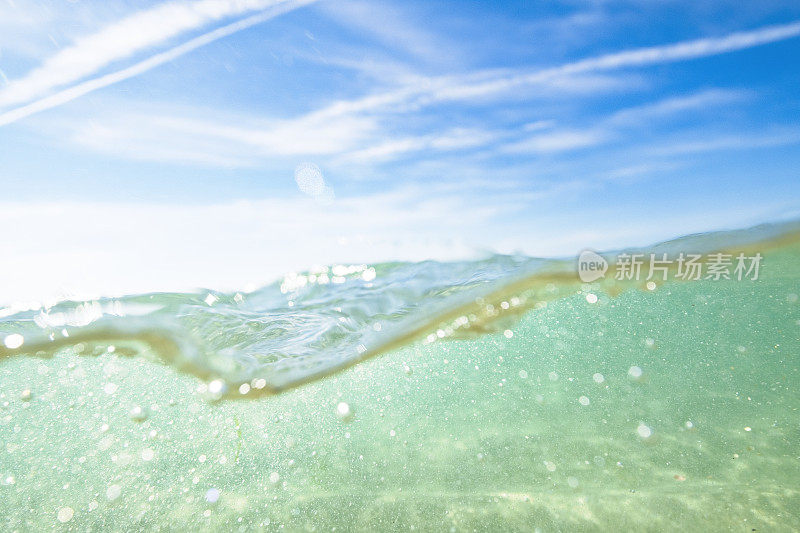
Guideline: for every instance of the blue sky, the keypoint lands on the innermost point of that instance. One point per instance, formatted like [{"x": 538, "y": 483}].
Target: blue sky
[{"x": 152, "y": 145}]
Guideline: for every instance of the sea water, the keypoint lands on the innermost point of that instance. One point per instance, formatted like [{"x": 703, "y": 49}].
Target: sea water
[{"x": 494, "y": 395}]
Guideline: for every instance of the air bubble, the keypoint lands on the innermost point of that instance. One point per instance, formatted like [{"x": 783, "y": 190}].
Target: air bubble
[
  {"x": 13, "y": 341},
  {"x": 212, "y": 495},
  {"x": 65, "y": 514},
  {"x": 343, "y": 411}
]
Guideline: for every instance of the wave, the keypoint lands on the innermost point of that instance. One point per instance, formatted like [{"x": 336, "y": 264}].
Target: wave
[{"x": 311, "y": 324}]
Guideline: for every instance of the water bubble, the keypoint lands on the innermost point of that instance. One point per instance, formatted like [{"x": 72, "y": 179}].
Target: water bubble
[
  {"x": 572, "y": 482},
  {"x": 105, "y": 443},
  {"x": 644, "y": 431},
  {"x": 635, "y": 372},
  {"x": 212, "y": 495},
  {"x": 274, "y": 477},
  {"x": 148, "y": 454},
  {"x": 138, "y": 414},
  {"x": 25, "y": 395},
  {"x": 123, "y": 459},
  {"x": 65, "y": 514},
  {"x": 689, "y": 424},
  {"x": 244, "y": 388},
  {"x": 583, "y": 400},
  {"x": 13, "y": 341},
  {"x": 343, "y": 411},
  {"x": 110, "y": 388},
  {"x": 508, "y": 334},
  {"x": 598, "y": 378},
  {"x": 523, "y": 374},
  {"x": 216, "y": 388},
  {"x": 113, "y": 492},
  {"x": 591, "y": 298}
]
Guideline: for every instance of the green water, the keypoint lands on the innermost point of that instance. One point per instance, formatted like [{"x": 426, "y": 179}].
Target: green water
[{"x": 508, "y": 431}]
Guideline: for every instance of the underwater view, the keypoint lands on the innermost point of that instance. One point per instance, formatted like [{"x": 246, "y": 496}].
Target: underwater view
[
  {"x": 511, "y": 397},
  {"x": 383, "y": 265}
]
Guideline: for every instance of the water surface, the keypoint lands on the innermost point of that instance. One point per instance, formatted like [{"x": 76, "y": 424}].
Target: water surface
[{"x": 501, "y": 398}]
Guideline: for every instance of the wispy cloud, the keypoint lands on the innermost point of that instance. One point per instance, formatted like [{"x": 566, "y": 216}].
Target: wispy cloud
[
  {"x": 706, "y": 99},
  {"x": 481, "y": 84},
  {"x": 557, "y": 141},
  {"x": 450, "y": 140},
  {"x": 742, "y": 141},
  {"x": 611, "y": 127},
  {"x": 395, "y": 30},
  {"x": 357, "y": 131},
  {"x": 442, "y": 88},
  {"x": 167, "y": 134},
  {"x": 353, "y": 130},
  {"x": 121, "y": 40},
  {"x": 238, "y": 141},
  {"x": 151, "y": 133},
  {"x": 60, "y": 72}
]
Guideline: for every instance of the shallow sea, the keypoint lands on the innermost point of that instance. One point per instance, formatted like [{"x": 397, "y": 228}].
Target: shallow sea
[{"x": 492, "y": 395}]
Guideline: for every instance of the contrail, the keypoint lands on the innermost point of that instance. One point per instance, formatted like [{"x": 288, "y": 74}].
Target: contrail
[
  {"x": 89, "y": 86},
  {"x": 448, "y": 88}
]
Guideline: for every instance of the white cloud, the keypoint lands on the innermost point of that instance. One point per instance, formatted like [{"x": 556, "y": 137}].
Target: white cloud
[
  {"x": 49, "y": 78},
  {"x": 153, "y": 136},
  {"x": 224, "y": 140},
  {"x": 393, "y": 28},
  {"x": 481, "y": 84},
  {"x": 608, "y": 128},
  {"x": 453, "y": 139},
  {"x": 728, "y": 142},
  {"x": 669, "y": 106},
  {"x": 445, "y": 88},
  {"x": 557, "y": 141},
  {"x": 635, "y": 172},
  {"x": 121, "y": 40}
]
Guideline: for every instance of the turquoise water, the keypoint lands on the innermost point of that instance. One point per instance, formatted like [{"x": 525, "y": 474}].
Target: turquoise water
[{"x": 494, "y": 395}]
